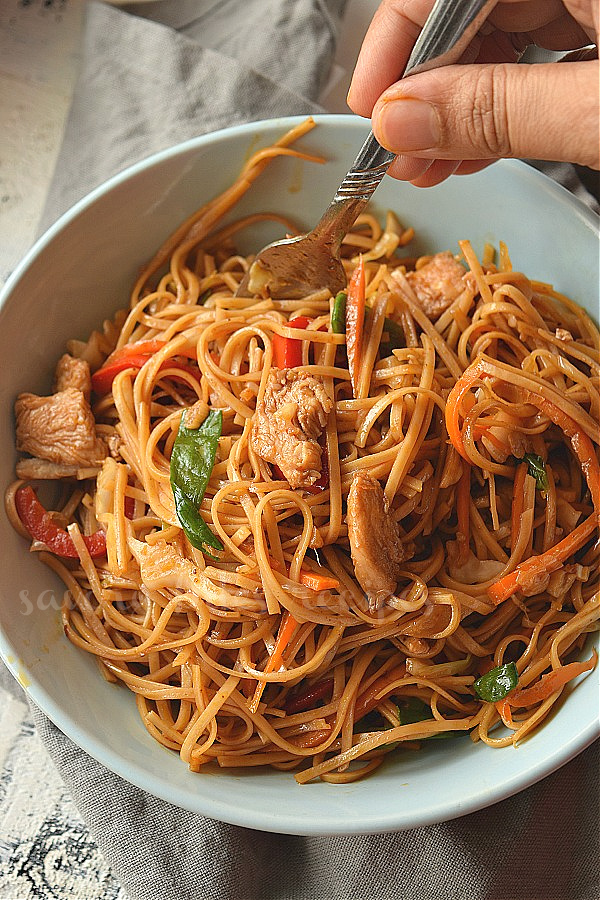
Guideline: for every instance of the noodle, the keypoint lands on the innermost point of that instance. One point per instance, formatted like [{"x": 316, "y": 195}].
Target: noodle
[{"x": 478, "y": 425}]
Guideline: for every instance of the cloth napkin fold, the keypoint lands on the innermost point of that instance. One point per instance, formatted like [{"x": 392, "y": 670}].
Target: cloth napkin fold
[
  {"x": 153, "y": 74},
  {"x": 144, "y": 85}
]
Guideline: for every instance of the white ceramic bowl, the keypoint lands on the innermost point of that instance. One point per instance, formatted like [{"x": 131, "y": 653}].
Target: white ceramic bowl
[{"x": 80, "y": 272}]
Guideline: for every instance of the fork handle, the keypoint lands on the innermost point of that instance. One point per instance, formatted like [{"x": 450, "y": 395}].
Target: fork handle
[{"x": 447, "y": 32}]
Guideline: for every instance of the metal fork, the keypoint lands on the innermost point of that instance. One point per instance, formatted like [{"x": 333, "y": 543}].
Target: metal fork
[{"x": 295, "y": 267}]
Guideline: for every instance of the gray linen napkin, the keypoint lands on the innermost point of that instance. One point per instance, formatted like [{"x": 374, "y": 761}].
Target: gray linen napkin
[
  {"x": 153, "y": 75},
  {"x": 143, "y": 87}
]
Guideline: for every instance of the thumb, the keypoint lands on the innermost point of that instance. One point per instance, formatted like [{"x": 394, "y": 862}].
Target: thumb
[{"x": 546, "y": 111}]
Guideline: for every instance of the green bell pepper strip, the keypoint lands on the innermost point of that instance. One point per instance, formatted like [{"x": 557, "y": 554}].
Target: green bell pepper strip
[
  {"x": 414, "y": 710},
  {"x": 536, "y": 468},
  {"x": 192, "y": 461},
  {"x": 497, "y": 683},
  {"x": 338, "y": 313},
  {"x": 394, "y": 332},
  {"x": 395, "y": 337}
]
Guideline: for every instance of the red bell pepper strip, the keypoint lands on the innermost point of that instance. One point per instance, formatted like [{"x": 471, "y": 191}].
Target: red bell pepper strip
[
  {"x": 355, "y": 320},
  {"x": 308, "y": 697},
  {"x": 128, "y": 507},
  {"x": 41, "y": 527},
  {"x": 103, "y": 378},
  {"x": 287, "y": 352},
  {"x": 146, "y": 348}
]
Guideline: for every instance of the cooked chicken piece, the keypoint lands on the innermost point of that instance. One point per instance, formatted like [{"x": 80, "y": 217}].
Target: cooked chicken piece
[
  {"x": 377, "y": 551},
  {"x": 415, "y": 646},
  {"x": 59, "y": 428},
  {"x": 288, "y": 424},
  {"x": 163, "y": 566},
  {"x": 437, "y": 284},
  {"x": 73, "y": 373},
  {"x": 114, "y": 443},
  {"x": 429, "y": 621},
  {"x": 563, "y": 335}
]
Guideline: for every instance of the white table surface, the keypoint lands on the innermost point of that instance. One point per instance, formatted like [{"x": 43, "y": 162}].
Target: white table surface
[{"x": 46, "y": 852}]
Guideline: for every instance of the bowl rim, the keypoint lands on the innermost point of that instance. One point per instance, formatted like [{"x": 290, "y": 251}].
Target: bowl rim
[
  {"x": 550, "y": 186},
  {"x": 214, "y": 807}
]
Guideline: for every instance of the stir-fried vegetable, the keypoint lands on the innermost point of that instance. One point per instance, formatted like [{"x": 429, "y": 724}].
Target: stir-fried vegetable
[
  {"x": 551, "y": 682},
  {"x": 134, "y": 356},
  {"x": 526, "y": 573},
  {"x": 391, "y": 338},
  {"x": 355, "y": 320},
  {"x": 41, "y": 526},
  {"x": 461, "y": 388},
  {"x": 548, "y": 684},
  {"x": 537, "y": 469},
  {"x": 309, "y": 696},
  {"x": 317, "y": 581},
  {"x": 287, "y": 352},
  {"x": 192, "y": 461},
  {"x": 497, "y": 683},
  {"x": 411, "y": 710},
  {"x": 284, "y": 635},
  {"x": 338, "y": 313},
  {"x": 580, "y": 442}
]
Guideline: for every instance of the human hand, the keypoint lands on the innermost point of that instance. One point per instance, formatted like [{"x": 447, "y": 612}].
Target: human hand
[{"x": 458, "y": 119}]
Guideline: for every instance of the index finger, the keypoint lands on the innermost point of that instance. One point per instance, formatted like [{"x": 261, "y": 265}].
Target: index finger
[{"x": 385, "y": 50}]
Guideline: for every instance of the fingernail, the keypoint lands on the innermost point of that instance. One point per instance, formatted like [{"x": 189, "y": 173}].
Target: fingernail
[
  {"x": 407, "y": 124},
  {"x": 349, "y": 94}
]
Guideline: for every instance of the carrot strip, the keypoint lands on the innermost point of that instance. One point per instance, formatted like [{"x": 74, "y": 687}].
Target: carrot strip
[
  {"x": 580, "y": 442},
  {"x": 463, "y": 512},
  {"x": 454, "y": 403},
  {"x": 526, "y": 572},
  {"x": 551, "y": 682},
  {"x": 517, "y": 503},
  {"x": 286, "y": 629},
  {"x": 355, "y": 320},
  {"x": 317, "y": 582},
  {"x": 504, "y": 711}
]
